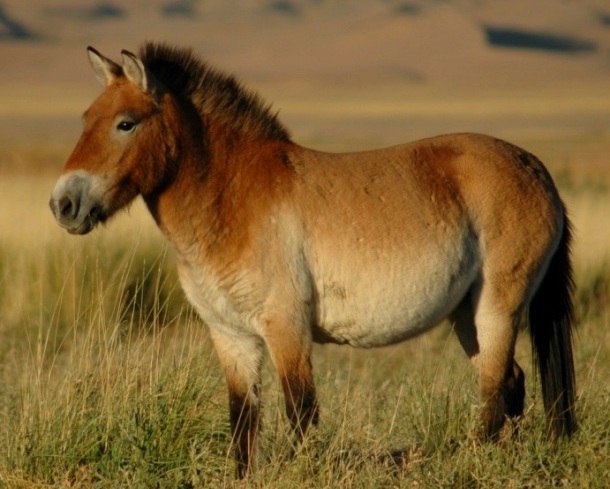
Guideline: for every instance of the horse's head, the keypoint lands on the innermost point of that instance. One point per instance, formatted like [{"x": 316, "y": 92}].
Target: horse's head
[{"x": 124, "y": 148}]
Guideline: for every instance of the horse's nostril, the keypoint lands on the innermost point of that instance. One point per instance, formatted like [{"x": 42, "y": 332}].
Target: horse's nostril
[
  {"x": 95, "y": 213},
  {"x": 66, "y": 207}
]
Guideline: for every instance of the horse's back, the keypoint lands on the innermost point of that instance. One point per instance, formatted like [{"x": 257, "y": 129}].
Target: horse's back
[{"x": 498, "y": 188}]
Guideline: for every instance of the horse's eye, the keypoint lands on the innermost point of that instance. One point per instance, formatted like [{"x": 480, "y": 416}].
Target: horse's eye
[{"x": 126, "y": 126}]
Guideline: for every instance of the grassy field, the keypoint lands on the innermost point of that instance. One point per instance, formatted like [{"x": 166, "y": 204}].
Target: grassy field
[{"x": 109, "y": 380}]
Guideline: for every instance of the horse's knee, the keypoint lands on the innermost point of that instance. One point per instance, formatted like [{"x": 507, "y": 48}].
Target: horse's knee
[
  {"x": 241, "y": 362},
  {"x": 290, "y": 352}
]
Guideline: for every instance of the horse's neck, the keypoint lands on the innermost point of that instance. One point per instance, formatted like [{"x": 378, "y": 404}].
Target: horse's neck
[{"x": 218, "y": 187}]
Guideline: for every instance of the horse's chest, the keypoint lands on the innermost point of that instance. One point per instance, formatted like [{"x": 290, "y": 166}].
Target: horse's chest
[{"x": 222, "y": 300}]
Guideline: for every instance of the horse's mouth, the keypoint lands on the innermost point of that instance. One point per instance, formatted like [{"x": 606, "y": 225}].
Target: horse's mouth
[{"x": 87, "y": 225}]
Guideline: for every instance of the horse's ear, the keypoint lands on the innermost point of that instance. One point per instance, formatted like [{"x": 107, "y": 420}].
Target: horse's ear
[
  {"x": 135, "y": 71},
  {"x": 105, "y": 69}
]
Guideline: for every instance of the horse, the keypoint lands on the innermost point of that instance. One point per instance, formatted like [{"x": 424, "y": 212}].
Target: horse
[{"x": 279, "y": 246}]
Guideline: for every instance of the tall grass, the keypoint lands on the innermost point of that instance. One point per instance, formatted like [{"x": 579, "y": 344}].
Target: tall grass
[
  {"x": 107, "y": 376},
  {"x": 109, "y": 380}
]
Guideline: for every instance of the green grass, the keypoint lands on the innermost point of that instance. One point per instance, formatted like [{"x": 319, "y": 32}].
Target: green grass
[{"x": 109, "y": 380}]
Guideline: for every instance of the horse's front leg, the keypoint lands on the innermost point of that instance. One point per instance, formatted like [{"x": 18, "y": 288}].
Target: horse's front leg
[
  {"x": 289, "y": 347},
  {"x": 241, "y": 358}
]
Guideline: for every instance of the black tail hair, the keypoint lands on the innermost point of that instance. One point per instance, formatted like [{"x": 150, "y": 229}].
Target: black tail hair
[{"x": 551, "y": 329}]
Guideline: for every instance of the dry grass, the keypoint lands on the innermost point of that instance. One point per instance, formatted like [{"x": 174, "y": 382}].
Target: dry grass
[{"x": 109, "y": 381}]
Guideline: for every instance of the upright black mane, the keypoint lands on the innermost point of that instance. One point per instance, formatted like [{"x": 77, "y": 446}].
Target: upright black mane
[{"x": 212, "y": 92}]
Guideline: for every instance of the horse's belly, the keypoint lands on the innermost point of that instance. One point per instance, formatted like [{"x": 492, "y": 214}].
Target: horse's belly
[{"x": 383, "y": 305}]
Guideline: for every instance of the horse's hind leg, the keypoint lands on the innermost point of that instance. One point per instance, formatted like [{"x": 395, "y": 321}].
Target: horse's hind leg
[{"x": 488, "y": 337}]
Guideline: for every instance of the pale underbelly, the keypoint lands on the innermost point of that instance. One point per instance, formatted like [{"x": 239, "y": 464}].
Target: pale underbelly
[
  {"x": 382, "y": 320},
  {"x": 372, "y": 309}
]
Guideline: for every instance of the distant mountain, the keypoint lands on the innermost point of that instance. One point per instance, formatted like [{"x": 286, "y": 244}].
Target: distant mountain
[{"x": 331, "y": 41}]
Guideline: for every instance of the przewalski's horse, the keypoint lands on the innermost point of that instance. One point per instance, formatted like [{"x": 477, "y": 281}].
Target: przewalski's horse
[{"x": 279, "y": 246}]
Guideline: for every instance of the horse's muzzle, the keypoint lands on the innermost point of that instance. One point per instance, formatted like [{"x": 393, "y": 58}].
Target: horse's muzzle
[{"x": 74, "y": 204}]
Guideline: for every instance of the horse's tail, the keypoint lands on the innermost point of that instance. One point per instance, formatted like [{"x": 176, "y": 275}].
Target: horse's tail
[{"x": 551, "y": 315}]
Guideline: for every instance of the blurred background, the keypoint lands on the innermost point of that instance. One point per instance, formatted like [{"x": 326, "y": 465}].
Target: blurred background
[{"x": 344, "y": 74}]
